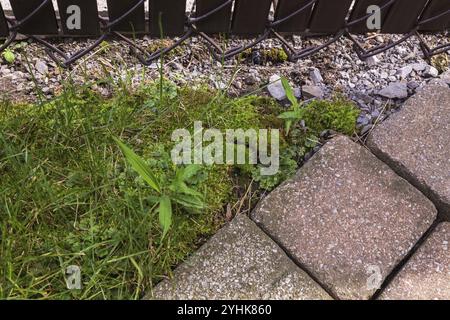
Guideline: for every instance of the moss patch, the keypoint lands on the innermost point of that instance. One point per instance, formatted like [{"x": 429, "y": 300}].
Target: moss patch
[{"x": 262, "y": 56}]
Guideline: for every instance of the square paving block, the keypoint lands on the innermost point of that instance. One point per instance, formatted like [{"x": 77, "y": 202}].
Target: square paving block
[
  {"x": 239, "y": 262},
  {"x": 347, "y": 218},
  {"x": 415, "y": 142},
  {"x": 426, "y": 275}
]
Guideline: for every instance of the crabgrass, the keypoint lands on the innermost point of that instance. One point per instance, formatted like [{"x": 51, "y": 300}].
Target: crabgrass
[{"x": 67, "y": 197}]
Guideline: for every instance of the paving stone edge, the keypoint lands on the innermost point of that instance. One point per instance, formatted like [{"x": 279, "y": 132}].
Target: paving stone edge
[{"x": 405, "y": 173}]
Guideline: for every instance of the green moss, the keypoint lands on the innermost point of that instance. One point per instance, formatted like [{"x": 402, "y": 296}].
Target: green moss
[
  {"x": 276, "y": 55},
  {"x": 273, "y": 55},
  {"x": 440, "y": 62},
  {"x": 339, "y": 115}
]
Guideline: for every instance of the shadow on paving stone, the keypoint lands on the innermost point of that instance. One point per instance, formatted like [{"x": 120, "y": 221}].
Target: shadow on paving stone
[
  {"x": 426, "y": 276},
  {"x": 347, "y": 218},
  {"x": 415, "y": 143},
  {"x": 239, "y": 262}
]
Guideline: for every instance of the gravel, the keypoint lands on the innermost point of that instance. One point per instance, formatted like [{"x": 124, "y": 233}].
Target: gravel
[
  {"x": 312, "y": 92},
  {"x": 343, "y": 213},
  {"x": 41, "y": 67},
  {"x": 316, "y": 76},
  {"x": 397, "y": 90}
]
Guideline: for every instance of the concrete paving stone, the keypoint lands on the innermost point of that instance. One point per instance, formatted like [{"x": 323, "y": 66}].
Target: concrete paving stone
[
  {"x": 415, "y": 143},
  {"x": 239, "y": 262},
  {"x": 426, "y": 275},
  {"x": 347, "y": 218}
]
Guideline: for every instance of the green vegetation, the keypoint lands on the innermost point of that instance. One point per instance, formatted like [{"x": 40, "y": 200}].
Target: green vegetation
[
  {"x": 440, "y": 62},
  {"x": 319, "y": 115},
  {"x": 304, "y": 126},
  {"x": 72, "y": 195},
  {"x": 159, "y": 44},
  {"x": 9, "y": 56},
  {"x": 273, "y": 55},
  {"x": 177, "y": 191}
]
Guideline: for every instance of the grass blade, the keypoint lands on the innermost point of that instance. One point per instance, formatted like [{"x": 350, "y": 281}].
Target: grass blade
[
  {"x": 138, "y": 164},
  {"x": 165, "y": 214},
  {"x": 289, "y": 92}
]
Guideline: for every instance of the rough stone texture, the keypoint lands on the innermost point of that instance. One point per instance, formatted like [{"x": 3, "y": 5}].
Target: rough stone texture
[
  {"x": 239, "y": 262},
  {"x": 426, "y": 276},
  {"x": 446, "y": 77},
  {"x": 415, "y": 142},
  {"x": 6, "y": 86},
  {"x": 311, "y": 92},
  {"x": 397, "y": 90},
  {"x": 344, "y": 213}
]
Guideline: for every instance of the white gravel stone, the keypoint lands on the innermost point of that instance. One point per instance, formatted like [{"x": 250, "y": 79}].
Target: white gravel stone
[
  {"x": 41, "y": 67},
  {"x": 371, "y": 61},
  {"x": 310, "y": 92},
  {"x": 275, "y": 88},
  {"x": 316, "y": 76},
  {"x": 431, "y": 72},
  {"x": 404, "y": 72}
]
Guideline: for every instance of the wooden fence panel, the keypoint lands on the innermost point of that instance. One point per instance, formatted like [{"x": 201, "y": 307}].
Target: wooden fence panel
[
  {"x": 89, "y": 25},
  {"x": 329, "y": 16},
  {"x": 219, "y": 22},
  {"x": 296, "y": 24},
  {"x": 250, "y": 17},
  {"x": 42, "y": 23},
  {"x": 4, "y": 30},
  {"x": 403, "y": 16},
  {"x": 360, "y": 10},
  {"x": 172, "y": 14},
  {"x": 134, "y": 23},
  {"x": 434, "y": 8}
]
